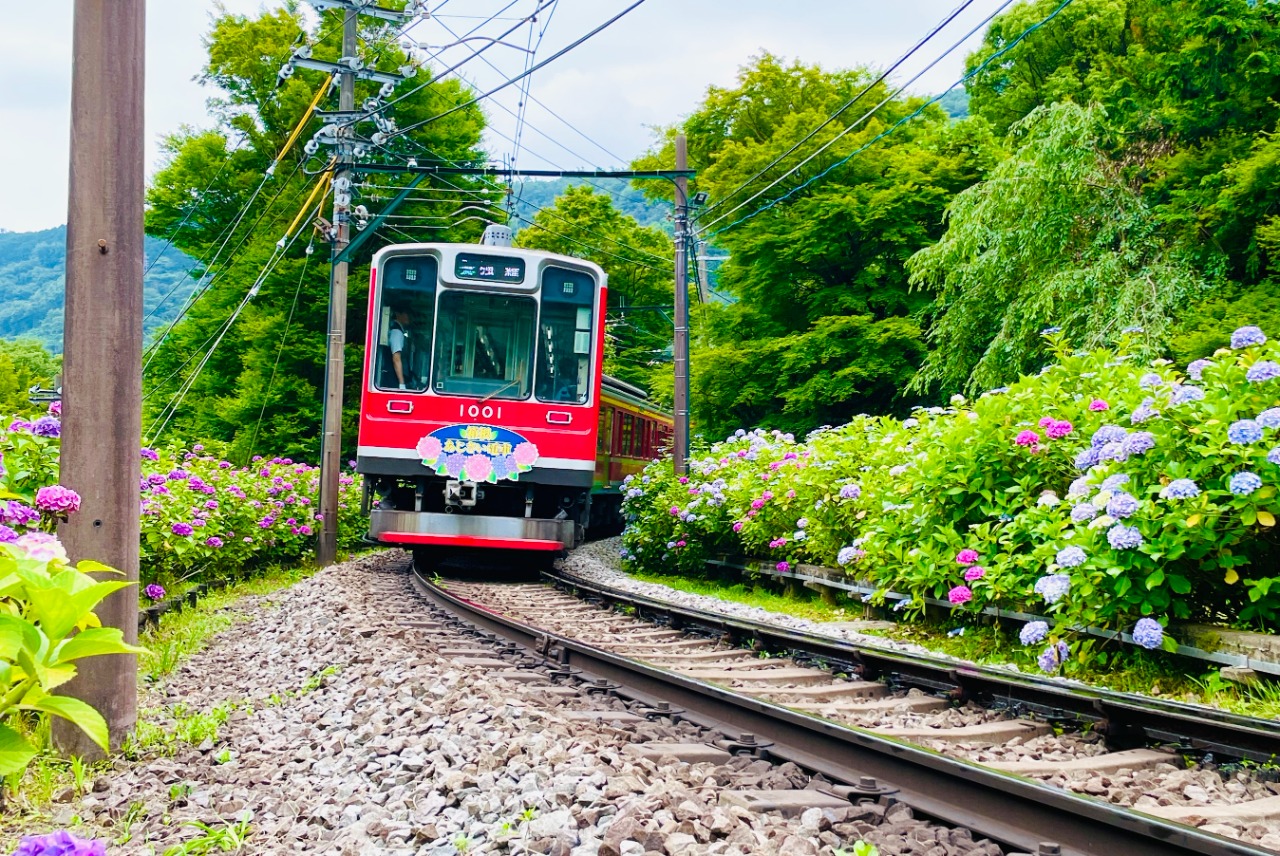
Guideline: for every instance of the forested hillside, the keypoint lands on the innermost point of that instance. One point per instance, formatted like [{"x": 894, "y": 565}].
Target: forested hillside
[{"x": 32, "y": 285}]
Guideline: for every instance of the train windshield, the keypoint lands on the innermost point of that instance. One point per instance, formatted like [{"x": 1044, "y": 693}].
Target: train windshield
[
  {"x": 484, "y": 345},
  {"x": 405, "y": 319},
  {"x": 564, "y": 336}
]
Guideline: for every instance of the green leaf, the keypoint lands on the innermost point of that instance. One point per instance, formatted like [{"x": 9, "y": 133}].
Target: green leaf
[
  {"x": 1155, "y": 579},
  {"x": 93, "y": 642},
  {"x": 78, "y": 713},
  {"x": 1179, "y": 584},
  {"x": 15, "y": 752}
]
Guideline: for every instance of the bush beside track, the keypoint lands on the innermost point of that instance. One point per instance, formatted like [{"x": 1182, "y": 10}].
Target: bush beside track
[{"x": 1101, "y": 491}]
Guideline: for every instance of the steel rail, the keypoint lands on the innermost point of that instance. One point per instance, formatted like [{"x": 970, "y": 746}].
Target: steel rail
[
  {"x": 1128, "y": 721},
  {"x": 1016, "y": 812}
]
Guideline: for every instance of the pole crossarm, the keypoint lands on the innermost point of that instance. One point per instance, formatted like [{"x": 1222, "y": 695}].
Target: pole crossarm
[
  {"x": 345, "y": 253},
  {"x": 504, "y": 172}
]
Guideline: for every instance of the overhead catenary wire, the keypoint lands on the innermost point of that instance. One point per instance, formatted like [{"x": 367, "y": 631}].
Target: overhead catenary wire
[
  {"x": 838, "y": 113},
  {"x": 964, "y": 79},
  {"x": 284, "y": 338}
]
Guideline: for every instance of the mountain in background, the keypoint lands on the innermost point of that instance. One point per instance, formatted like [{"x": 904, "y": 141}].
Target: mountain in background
[
  {"x": 33, "y": 278},
  {"x": 534, "y": 195},
  {"x": 956, "y": 103}
]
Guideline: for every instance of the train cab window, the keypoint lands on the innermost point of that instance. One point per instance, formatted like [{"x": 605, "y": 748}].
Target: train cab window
[
  {"x": 565, "y": 336},
  {"x": 484, "y": 345},
  {"x": 405, "y": 315}
]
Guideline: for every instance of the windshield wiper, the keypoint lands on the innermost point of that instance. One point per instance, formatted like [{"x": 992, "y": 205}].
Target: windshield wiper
[{"x": 500, "y": 389}]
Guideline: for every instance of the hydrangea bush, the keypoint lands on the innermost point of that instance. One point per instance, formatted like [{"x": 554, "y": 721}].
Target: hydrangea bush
[
  {"x": 1101, "y": 492},
  {"x": 202, "y": 516}
]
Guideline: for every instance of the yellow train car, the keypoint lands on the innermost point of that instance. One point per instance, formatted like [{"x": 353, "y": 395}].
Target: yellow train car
[{"x": 632, "y": 432}]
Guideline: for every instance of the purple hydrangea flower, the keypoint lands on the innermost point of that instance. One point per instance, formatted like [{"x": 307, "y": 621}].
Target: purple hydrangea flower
[
  {"x": 1083, "y": 513},
  {"x": 1122, "y": 505},
  {"x": 154, "y": 591},
  {"x": 178, "y": 475},
  {"x": 1269, "y": 418},
  {"x": 182, "y": 528},
  {"x": 1150, "y": 380},
  {"x": 1107, "y": 434},
  {"x": 1274, "y": 456},
  {"x": 213, "y": 541},
  {"x": 1244, "y": 483},
  {"x": 1079, "y": 487},
  {"x": 1139, "y": 442},
  {"x": 848, "y": 555},
  {"x": 1244, "y": 432},
  {"x": 1246, "y": 336},
  {"x": 1180, "y": 489},
  {"x": 18, "y": 425},
  {"x": 1115, "y": 481},
  {"x": 1188, "y": 394},
  {"x": 850, "y": 491},
  {"x": 60, "y": 843},
  {"x": 47, "y": 426},
  {"x": 1087, "y": 459},
  {"x": 149, "y": 454},
  {"x": 1122, "y": 537},
  {"x": 14, "y": 513},
  {"x": 57, "y": 499},
  {"x": 7, "y": 535},
  {"x": 1195, "y": 369},
  {"x": 1144, "y": 412},
  {"x": 1114, "y": 452},
  {"x": 1033, "y": 632},
  {"x": 1148, "y": 633},
  {"x": 1053, "y": 656},
  {"x": 1053, "y": 587},
  {"x": 1262, "y": 371},
  {"x": 1071, "y": 557},
  {"x": 55, "y": 408}
]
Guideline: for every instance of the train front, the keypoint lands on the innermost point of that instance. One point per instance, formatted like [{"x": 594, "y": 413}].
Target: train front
[{"x": 481, "y": 390}]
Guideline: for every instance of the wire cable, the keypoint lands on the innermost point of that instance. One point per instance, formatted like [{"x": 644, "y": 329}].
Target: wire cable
[{"x": 284, "y": 337}]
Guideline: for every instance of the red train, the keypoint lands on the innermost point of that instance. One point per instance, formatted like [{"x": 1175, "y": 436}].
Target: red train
[{"x": 485, "y": 418}]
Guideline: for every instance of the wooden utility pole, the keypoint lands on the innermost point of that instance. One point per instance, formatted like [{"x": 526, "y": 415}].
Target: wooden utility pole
[
  {"x": 331, "y": 442},
  {"x": 102, "y": 339},
  {"x": 680, "y": 453}
]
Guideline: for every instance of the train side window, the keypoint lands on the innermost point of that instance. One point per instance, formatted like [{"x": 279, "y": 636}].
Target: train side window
[
  {"x": 604, "y": 440},
  {"x": 406, "y": 315},
  {"x": 627, "y": 427},
  {"x": 565, "y": 334}
]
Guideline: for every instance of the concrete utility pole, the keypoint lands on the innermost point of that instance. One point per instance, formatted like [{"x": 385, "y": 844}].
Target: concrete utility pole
[
  {"x": 681, "y": 451},
  {"x": 331, "y": 442},
  {"x": 102, "y": 342}
]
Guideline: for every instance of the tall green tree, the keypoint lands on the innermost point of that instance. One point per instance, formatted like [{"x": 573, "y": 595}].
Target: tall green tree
[
  {"x": 223, "y": 198},
  {"x": 823, "y": 326},
  {"x": 24, "y": 363},
  {"x": 637, "y": 258}
]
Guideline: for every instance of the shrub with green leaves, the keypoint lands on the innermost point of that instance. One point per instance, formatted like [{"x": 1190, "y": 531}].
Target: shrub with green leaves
[{"x": 1101, "y": 491}]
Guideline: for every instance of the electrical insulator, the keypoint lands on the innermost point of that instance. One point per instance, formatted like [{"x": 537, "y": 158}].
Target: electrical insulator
[
  {"x": 387, "y": 90},
  {"x": 378, "y": 138},
  {"x": 286, "y": 71},
  {"x": 413, "y": 163},
  {"x": 310, "y": 249},
  {"x": 372, "y": 104},
  {"x": 303, "y": 52},
  {"x": 342, "y": 200},
  {"x": 311, "y": 147},
  {"x": 342, "y": 184}
]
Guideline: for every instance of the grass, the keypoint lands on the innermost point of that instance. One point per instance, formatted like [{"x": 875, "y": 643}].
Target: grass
[{"x": 1123, "y": 669}]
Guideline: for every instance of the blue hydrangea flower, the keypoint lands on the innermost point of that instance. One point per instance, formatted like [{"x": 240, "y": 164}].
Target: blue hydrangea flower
[
  {"x": 1244, "y": 432},
  {"x": 1115, "y": 482},
  {"x": 1274, "y": 456},
  {"x": 1269, "y": 418},
  {"x": 1114, "y": 452},
  {"x": 1053, "y": 656},
  {"x": 1079, "y": 487},
  {"x": 849, "y": 554},
  {"x": 1122, "y": 505},
  {"x": 1033, "y": 632},
  {"x": 1139, "y": 442},
  {"x": 1071, "y": 557},
  {"x": 1246, "y": 336},
  {"x": 1083, "y": 513},
  {"x": 1053, "y": 587},
  {"x": 850, "y": 491},
  {"x": 1122, "y": 537},
  {"x": 1188, "y": 394},
  {"x": 1244, "y": 483},
  {"x": 1261, "y": 371},
  {"x": 1150, "y": 380},
  {"x": 1107, "y": 434},
  {"x": 1144, "y": 412},
  {"x": 1195, "y": 369},
  {"x": 1086, "y": 459},
  {"x": 1180, "y": 489},
  {"x": 1148, "y": 633}
]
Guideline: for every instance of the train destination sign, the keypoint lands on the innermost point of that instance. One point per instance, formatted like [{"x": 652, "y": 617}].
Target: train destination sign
[{"x": 488, "y": 268}]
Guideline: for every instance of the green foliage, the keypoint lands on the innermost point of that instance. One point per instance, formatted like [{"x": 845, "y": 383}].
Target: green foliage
[
  {"x": 24, "y": 363},
  {"x": 47, "y": 623},
  {"x": 1053, "y": 237},
  {"x": 32, "y": 282},
  {"x": 896, "y": 502},
  {"x": 586, "y": 224},
  {"x": 261, "y": 388}
]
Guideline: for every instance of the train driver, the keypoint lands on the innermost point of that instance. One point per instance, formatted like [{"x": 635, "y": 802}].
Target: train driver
[{"x": 400, "y": 343}]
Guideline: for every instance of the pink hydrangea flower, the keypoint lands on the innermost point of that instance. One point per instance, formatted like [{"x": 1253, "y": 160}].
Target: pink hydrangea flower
[
  {"x": 1059, "y": 429},
  {"x": 1047, "y": 421},
  {"x": 784, "y": 567},
  {"x": 1027, "y": 438},
  {"x": 975, "y": 573},
  {"x": 967, "y": 556},
  {"x": 1098, "y": 405},
  {"x": 960, "y": 594}
]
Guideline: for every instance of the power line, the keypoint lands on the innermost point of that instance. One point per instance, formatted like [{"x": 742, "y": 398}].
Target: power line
[
  {"x": 851, "y": 102},
  {"x": 967, "y": 77}
]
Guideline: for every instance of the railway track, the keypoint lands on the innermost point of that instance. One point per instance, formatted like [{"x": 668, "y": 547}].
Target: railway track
[{"x": 1018, "y": 760}]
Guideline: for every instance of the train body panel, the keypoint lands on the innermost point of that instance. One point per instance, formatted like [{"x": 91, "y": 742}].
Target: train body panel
[{"x": 481, "y": 403}]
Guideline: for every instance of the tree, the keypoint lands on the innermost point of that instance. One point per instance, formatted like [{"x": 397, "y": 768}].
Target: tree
[
  {"x": 260, "y": 388},
  {"x": 1053, "y": 237},
  {"x": 822, "y": 327},
  {"x": 638, "y": 260},
  {"x": 24, "y": 363}
]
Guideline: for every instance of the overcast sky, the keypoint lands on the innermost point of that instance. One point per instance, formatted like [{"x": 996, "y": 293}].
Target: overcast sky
[{"x": 650, "y": 68}]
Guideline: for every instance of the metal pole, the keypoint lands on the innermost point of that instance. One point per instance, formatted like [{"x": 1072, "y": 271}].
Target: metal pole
[
  {"x": 102, "y": 353},
  {"x": 681, "y": 451},
  {"x": 331, "y": 442}
]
